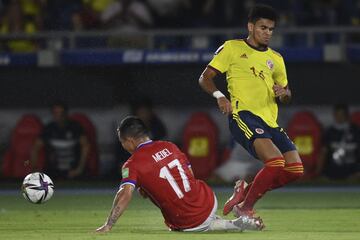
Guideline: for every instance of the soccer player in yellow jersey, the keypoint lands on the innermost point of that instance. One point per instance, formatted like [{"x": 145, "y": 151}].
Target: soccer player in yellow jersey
[{"x": 256, "y": 77}]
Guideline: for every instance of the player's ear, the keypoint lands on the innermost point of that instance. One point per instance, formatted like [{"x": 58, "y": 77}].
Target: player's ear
[
  {"x": 132, "y": 140},
  {"x": 250, "y": 26}
]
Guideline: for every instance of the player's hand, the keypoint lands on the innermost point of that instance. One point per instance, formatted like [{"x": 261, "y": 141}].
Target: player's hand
[
  {"x": 142, "y": 193},
  {"x": 103, "y": 229},
  {"x": 280, "y": 91},
  {"x": 224, "y": 105}
]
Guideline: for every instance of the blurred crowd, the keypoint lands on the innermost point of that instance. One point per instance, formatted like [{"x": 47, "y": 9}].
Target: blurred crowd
[
  {"x": 44, "y": 15},
  {"x": 33, "y": 16}
]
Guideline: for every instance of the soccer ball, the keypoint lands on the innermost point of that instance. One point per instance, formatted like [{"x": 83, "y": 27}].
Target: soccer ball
[{"x": 37, "y": 187}]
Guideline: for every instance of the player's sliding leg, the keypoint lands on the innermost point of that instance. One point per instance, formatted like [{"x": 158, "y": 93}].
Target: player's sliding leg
[
  {"x": 216, "y": 223},
  {"x": 240, "y": 224},
  {"x": 265, "y": 178}
]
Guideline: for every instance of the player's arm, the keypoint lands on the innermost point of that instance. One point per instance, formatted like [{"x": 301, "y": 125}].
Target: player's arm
[
  {"x": 121, "y": 201},
  {"x": 84, "y": 152},
  {"x": 281, "y": 87},
  {"x": 283, "y": 93},
  {"x": 206, "y": 81}
]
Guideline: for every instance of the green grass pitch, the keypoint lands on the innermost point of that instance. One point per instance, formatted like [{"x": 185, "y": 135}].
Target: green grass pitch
[{"x": 287, "y": 215}]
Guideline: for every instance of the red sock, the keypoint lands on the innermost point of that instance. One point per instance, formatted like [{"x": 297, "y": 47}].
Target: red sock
[
  {"x": 290, "y": 173},
  {"x": 263, "y": 181}
]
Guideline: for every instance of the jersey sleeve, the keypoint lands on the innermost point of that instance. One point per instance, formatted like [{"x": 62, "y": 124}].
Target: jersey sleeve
[
  {"x": 280, "y": 76},
  {"x": 222, "y": 58},
  {"x": 129, "y": 175}
]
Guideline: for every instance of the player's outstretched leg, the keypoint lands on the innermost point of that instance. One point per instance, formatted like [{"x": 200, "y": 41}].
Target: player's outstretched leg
[
  {"x": 249, "y": 223},
  {"x": 290, "y": 173},
  {"x": 239, "y": 224},
  {"x": 274, "y": 162},
  {"x": 263, "y": 182}
]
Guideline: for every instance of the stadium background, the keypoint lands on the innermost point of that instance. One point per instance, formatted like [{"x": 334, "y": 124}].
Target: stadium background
[{"x": 99, "y": 56}]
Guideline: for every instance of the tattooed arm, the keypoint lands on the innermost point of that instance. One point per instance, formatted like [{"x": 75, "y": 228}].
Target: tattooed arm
[{"x": 121, "y": 201}]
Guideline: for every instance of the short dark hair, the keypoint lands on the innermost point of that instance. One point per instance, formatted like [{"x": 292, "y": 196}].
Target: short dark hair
[
  {"x": 132, "y": 126},
  {"x": 262, "y": 11}
]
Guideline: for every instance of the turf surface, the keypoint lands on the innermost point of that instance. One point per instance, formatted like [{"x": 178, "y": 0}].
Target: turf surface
[{"x": 287, "y": 215}]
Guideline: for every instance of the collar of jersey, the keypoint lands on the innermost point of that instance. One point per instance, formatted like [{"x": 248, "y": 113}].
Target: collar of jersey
[
  {"x": 255, "y": 48},
  {"x": 144, "y": 143}
]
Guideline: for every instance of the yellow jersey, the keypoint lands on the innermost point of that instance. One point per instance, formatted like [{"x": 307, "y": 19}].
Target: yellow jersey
[{"x": 251, "y": 75}]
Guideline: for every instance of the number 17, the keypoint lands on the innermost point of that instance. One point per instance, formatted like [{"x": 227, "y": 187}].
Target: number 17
[{"x": 165, "y": 174}]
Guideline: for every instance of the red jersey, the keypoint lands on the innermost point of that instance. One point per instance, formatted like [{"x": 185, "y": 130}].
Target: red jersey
[{"x": 163, "y": 172}]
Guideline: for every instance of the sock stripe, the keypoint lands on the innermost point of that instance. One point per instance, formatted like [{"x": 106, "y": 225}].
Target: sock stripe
[
  {"x": 296, "y": 167},
  {"x": 298, "y": 172},
  {"x": 294, "y": 171},
  {"x": 294, "y": 164},
  {"x": 275, "y": 165},
  {"x": 275, "y": 158},
  {"x": 275, "y": 162}
]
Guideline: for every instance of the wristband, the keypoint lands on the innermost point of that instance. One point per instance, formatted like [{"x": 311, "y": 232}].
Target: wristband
[{"x": 217, "y": 94}]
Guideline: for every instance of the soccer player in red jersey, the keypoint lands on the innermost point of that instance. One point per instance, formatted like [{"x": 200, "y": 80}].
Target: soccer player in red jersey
[{"x": 160, "y": 171}]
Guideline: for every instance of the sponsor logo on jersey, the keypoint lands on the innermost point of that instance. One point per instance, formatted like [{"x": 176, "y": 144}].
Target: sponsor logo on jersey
[
  {"x": 270, "y": 64},
  {"x": 259, "y": 130},
  {"x": 244, "y": 56},
  {"x": 125, "y": 172}
]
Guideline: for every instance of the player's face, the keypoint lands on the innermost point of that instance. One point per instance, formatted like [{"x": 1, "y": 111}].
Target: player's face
[{"x": 261, "y": 31}]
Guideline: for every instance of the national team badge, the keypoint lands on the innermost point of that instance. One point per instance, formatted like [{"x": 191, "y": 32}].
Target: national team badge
[
  {"x": 270, "y": 64},
  {"x": 259, "y": 130},
  {"x": 125, "y": 172}
]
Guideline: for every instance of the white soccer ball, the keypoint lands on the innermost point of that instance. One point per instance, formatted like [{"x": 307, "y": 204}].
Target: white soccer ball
[{"x": 37, "y": 187}]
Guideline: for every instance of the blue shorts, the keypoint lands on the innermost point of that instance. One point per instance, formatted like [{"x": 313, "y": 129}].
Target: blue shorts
[{"x": 245, "y": 127}]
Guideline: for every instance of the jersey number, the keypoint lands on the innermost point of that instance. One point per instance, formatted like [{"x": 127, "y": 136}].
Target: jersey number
[
  {"x": 260, "y": 74},
  {"x": 165, "y": 174}
]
